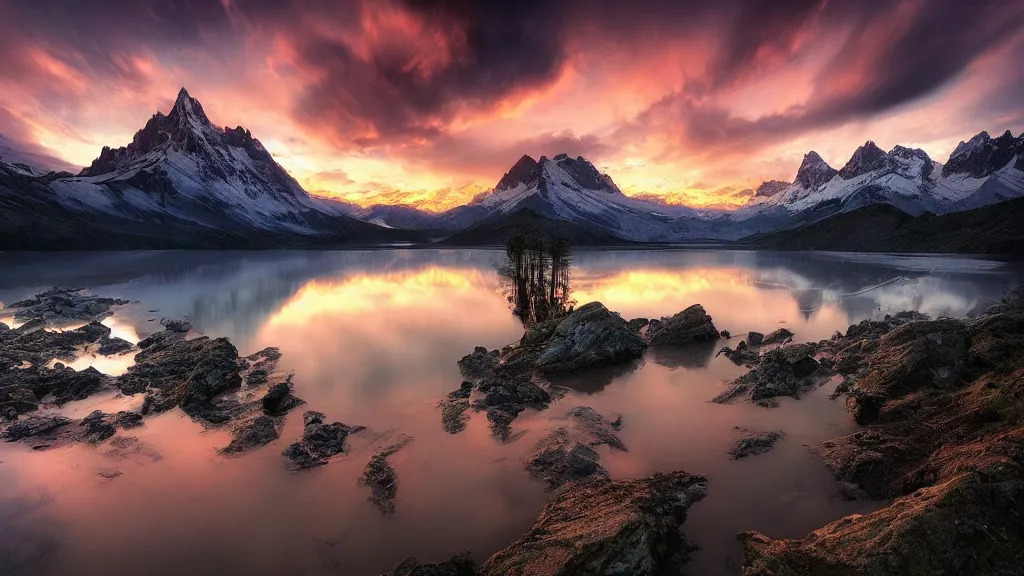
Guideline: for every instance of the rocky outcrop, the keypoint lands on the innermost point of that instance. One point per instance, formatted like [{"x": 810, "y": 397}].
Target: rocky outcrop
[
  {"x": 944, "y": 439},
  {"x": 319, "y": 442},
  {"x": 606, "y": 527},
  {"x": 567, "y": 454},
  {"x": 35, "y": 426},
  {"x": 256, "y": 433},
  {"x": 690, "y": 325},
  {"x": 754, "y": 443},
  {"x": 21, "y": 390},
  {"x": 59, "y": 306},
  {"x": 787, "y": 371},
  {"x": 32, "y": 345},
  {"x": 98, "y": 426},
  {"x": 590, "y": 336},
  {"x": 381, "y": 478}
]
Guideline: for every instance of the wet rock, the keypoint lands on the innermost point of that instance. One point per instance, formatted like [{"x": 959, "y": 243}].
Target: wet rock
[
  {"x": 786, "y": 371},
  {"x": 37, "y": 347},
  {"x": 175, "y": 325},
  {"x": 63, "y": 384},
  {"x": 115, "y": 346},
  {"x": 453, "y": 409},
  {"x": 591, "y": 336},
  {"x": 186, "y": 373},
  {"x": 63, "y": 306},
  {"x": 35, "y": 426},
  {"x": 479, "y": 364},
  {"x": 98, "y": 426},
  {"x": 743, "y": 355},
  {"x": 755, "y": 338},
  {"x": 319, "y": 442},
  {"x": 754, "y": 443},
  {"x": 567, "y": 453},
  {"x": 381, "y": 478},
  {"x": 460, "y": 564},
  {"x": 280, "y": 400},
  {"x": 596, "y": 427},
  {"x": 605, "y": 527},
  {"x": 690, "y": 325},
  {"x": 261, "y": 366},
  {"x": 725, "y": 334},
  {"x": 129, "y": 447},
  {"x": 779, "y": 336},
  {"x": 256, "y": 433},
  {"x": 500, "y": 419}
]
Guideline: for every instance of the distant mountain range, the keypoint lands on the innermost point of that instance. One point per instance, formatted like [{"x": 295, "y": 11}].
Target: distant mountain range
[{"x": 184, "y": 183}]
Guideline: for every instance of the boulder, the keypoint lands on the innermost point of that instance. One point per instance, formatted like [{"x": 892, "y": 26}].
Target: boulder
[
  {"x": 754, "y": 443},
  {"x": 779, "y": 336},
  {"x": 279, "y": 399},
  {"x": 319, "y": 441},
  {"x": 690, "y": 325},
  {"x": 755, "y": 338},
  {"x": 256, "y": 433},
  {"x": 591, "y": 336},
  {"x": 606, "y": 527},
  {"x": 786, "y": 371},
  {"x": 478, "y": 364},
  {"x": 567, "y": 453}
]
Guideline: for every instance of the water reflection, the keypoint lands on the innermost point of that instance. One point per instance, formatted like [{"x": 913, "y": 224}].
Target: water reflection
[{"x": 372, "y": 337}]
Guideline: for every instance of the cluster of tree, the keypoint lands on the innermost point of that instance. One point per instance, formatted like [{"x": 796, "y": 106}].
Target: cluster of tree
[{"x": 538, "y": 274}]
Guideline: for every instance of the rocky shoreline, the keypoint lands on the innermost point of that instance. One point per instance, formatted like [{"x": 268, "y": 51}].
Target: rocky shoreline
[{"x": 940, "y": 402}]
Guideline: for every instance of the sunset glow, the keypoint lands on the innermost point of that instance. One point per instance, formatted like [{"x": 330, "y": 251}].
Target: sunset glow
[{"x": 430, "y": 102}]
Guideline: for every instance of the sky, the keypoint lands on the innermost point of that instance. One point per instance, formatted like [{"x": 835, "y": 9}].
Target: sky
[{"x": 429, "y": 102}]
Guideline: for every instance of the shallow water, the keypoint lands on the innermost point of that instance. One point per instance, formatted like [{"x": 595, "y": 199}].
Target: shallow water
[{"x": 372, "y": 337}]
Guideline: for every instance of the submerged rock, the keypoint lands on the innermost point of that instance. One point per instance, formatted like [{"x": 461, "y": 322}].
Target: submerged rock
[
  {"x": 690, "y": 325},
  {"x": 380, "y": 476},
  {"x": 567, "y": 453},
  {"x": 35, "y": 426},
  {"x": 319, "y": 442},
  {"x": 786, "y": 371},
  {"x": 256, "y": 433},
  {"x": 453, "y": 408},
  {"x": 607, "y": 527},
  {"x": 591, "y": 336},
  {"x": 754, "y": 443}
]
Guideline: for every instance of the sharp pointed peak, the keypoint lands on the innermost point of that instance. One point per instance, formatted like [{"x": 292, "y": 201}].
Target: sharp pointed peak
[{"x": 183, "y": 94}]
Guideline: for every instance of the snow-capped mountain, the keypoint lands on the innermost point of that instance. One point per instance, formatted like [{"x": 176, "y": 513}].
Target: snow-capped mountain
[
  {"x": 573, "y": 190},
  {"x": 183, "y": 175},
  {"x": 979, "y": 172}
]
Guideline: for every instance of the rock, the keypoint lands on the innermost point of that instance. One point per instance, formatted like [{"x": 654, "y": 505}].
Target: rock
[
  {"x": 479, "y": 364},
  {"x": 59, "y": 305},
  {"x": 590, "y": 336},
  {"x": 743, "y": 355},
  {"x": 17, "y": 400},
  {"x": 185, "y": 373},
  {"x": 35, "y": 426},
  {"x": 605, "y": 527},
  {"x": 98, "y": 426},
  {"x": 261, "y": 366},
  {"x": 453, "y": 417},
  {"x": 780, "y": 336},
  {"x": 174, "y": 325},
  {"x": 319, "y": 441},
  {"x": 127, "y": 420},
  {"x": 690, "y": 325},
  {"x": 755, "y": 338},
  {"x": 725, "y": 334},
  {"x": 280, "y": 400},
  {"x": 460, "y": 564},
  {"x": 754, "y": 443},
  {"x": 380, "y": 476},
  {"x": 596, "y": 427},
  {"x": 786, "y": 371},
  {"x": 567, "y": 453},
  {"x": 256, "y": 433},
  {"x": 558, "y": 459},
  {"x": 65, "y": 385},
  {"x": 115, "y": 346},
  {"x": 638, "y": 324},
  {"x": 501, "y": 418},
  {"x": 1014, "y": 298}
]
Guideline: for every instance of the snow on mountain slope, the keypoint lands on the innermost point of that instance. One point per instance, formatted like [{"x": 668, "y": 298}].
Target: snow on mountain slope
[
  {"x": 181, "y": 165},
  {"x": 981, "y": 171},
  {"x": 565, "y": 188}
]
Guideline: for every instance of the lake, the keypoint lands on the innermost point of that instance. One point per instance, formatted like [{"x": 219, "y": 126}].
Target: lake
[{"x": 372, "y": 338}]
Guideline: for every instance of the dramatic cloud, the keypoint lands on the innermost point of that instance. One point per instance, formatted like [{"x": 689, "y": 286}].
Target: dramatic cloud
[{"x": 430, "y": 101}]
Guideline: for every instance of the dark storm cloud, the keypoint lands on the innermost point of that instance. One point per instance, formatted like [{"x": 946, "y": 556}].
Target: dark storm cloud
[{"x": 890, "y": 59}]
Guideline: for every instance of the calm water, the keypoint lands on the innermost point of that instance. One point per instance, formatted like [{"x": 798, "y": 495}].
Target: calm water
[{"x": 373, "y": 337}]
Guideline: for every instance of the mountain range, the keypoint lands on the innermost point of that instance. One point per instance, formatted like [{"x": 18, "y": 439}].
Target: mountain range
[{"x": 184, "y": 183}]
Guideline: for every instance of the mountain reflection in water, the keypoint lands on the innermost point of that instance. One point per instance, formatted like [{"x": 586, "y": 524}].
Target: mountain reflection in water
[{"x": 372, "y": 338}]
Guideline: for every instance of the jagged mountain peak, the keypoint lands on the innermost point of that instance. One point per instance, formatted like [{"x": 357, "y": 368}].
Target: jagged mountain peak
[
  {"x": 524, "y": 171},
  {"x": 865, "y": 159},
  {"x": 186, "y": 107},
  {"x": 983, "y": 155},
  {"x": 814, "y": 171},
  {"x": 770, "y": 188}
]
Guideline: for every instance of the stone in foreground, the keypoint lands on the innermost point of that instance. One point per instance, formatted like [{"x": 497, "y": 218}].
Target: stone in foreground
[
  {"x": 607, "y": 527},
  {"x": 689, "y": 326},
  {"x": 319, "y": 442},
  {"x": 755, "y": 443},
  {"x": 591, "y": 336}
]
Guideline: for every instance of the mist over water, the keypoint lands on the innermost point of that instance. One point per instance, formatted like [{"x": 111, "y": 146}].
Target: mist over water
[{"x": 373, "y": 338}]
